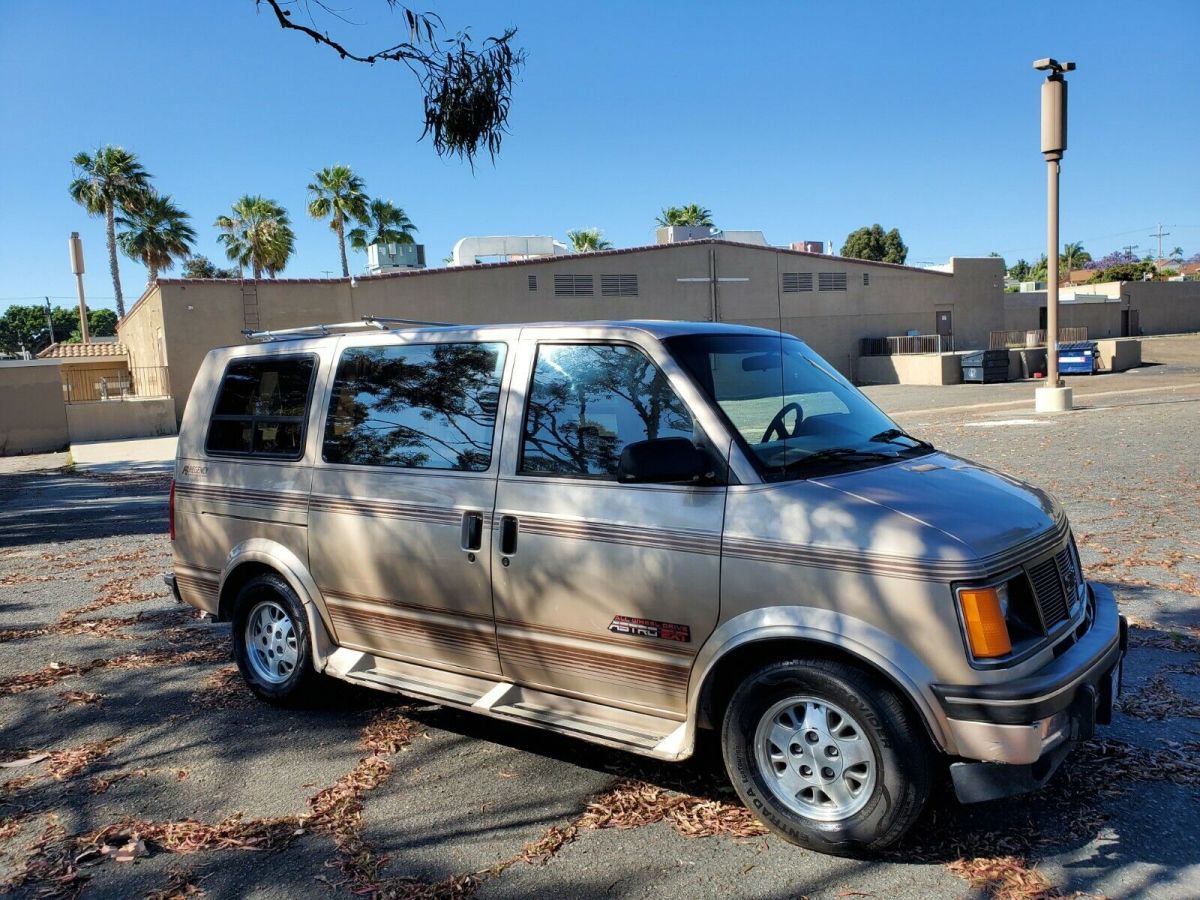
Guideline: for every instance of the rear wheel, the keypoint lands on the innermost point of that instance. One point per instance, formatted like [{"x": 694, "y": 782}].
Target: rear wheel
[
  {"x": 826, "y": 756},
  {"x": 271, "y": 641}
]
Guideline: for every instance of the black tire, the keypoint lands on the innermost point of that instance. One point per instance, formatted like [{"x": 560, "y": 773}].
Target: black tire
[
  {"x": 297, "y": 685},
  {"x": 887, "y": 805}
]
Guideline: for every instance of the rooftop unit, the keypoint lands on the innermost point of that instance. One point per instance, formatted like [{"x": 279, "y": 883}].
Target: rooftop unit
[
  {"x": 390, "y": 257},
  {"x": 676, "y": 234}
]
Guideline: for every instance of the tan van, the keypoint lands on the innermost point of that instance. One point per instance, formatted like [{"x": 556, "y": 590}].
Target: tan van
[{"x": 628, "y": 531}]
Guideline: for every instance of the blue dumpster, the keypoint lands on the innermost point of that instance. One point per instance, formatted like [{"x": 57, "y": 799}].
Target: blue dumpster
[{"x": 1077, "y": 358}]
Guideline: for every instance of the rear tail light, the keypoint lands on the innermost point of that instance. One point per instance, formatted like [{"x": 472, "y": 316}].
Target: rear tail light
[
  {"x": 983, "y": 612},
  {"x": 171, "y": 511}
]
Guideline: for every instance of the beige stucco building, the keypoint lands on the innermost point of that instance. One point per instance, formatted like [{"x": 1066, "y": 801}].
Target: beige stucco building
[{"x": 831, "y": 302}]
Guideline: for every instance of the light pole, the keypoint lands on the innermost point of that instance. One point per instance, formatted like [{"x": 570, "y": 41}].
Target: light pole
[
  {"x": 1054, "y": 397},
  {"x": 75, "y": 245}
]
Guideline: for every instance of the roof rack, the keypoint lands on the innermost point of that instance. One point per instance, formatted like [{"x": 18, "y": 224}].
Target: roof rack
[{"x": 380, "y": 322}]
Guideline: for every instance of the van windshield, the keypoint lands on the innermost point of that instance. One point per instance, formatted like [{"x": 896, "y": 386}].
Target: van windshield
[{"x": 795, "y": 415}]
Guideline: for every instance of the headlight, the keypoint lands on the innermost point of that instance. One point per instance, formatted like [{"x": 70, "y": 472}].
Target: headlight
[{"x": 984, "y": 611}]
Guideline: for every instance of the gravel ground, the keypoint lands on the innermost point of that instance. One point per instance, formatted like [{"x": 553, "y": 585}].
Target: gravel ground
[{"x": 155, "y": 749}]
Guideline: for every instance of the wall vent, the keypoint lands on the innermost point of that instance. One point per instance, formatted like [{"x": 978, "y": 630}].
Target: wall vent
[
  {"x": 866, "y": 279},
  {"x": 797, "y": 282},
  {"x": 831, "y": 281},
  {"x": 533, "y": 282},
  {"x": 573, "y": 286},
  {"x": 619, "y": 285}
]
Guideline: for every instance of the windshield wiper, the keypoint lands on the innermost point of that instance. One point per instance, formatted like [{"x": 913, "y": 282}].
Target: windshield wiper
[
  {"x": 836, "y": 453},
  {"x": 889, "y": 437}
]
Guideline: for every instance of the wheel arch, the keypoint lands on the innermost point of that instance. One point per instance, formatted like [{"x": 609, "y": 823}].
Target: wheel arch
[
  {"x": 760, "y": 636},
  {"x": 261, "y": 556}
]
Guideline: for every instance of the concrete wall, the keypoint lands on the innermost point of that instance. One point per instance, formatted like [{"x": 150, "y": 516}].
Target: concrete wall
[
  {"x": 674, "y": 282},
  {"x": 32, "y": 416},
  {"x": 111, "y": 420},
  {"x": 1022, "y": 312},
  {"x": 1119, "y": 355},
  {"x": 915, "y": 368}
]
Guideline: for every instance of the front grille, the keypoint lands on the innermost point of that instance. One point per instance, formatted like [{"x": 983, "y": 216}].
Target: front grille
[{"x": 1053, "y": 583}]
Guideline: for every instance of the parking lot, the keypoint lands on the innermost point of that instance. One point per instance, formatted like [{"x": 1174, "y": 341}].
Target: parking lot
[{"x": 137, "y": 765}]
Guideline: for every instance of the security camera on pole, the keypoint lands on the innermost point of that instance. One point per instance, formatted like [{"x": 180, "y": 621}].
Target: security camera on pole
[{"x": 1054, "y": 397}]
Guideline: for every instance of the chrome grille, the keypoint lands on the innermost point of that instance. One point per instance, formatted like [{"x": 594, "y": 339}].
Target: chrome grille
[{"x": 1054, "y": 581}]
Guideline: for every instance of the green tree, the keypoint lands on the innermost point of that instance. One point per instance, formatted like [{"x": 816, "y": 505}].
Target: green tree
[
  {"x": 1177, "y": 254},
  {"x": 1041, "y": 269},
  {"x": 1130, "y": 271},
  {"x": 1073, "y": 257},
  {"x": 108, "y": 180},
  {"x": 101, "y": 323},
  {"x": 26, "y": 327},
  {"x": 586, "y": 240},
  {"x": 258, "y": 235},
  {"x": 384, "y": 223},
  {"x": 692, "y": 215},
  {"x": 202, "y": 267},
  {"x": 875, "y": 244},
  {"x": 1021, "y": 270},
  {"x": 156, "y": 234},
  {"x": 337, "y": 194}
]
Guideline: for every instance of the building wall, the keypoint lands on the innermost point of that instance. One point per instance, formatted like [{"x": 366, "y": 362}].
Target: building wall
[
  {"x": 111, "y": 420},
  {"x": 1164, "y": 307},
  {"x": 1022, "y": 312},
  {"x": 674, "y": 282},
  {"x": 32, "y": 412}
]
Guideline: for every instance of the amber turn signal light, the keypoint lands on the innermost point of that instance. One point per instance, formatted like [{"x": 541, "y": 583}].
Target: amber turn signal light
[{"x": 986, "y": 629}]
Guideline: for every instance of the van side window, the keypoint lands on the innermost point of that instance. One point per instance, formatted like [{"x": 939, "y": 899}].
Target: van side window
[
  {"x": 262, "y": 406},
  {"x": 417, "y": 406},
  {"x": 588, "y": 401}
]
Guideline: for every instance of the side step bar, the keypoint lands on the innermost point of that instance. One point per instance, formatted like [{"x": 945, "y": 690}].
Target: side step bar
[{"x": 647, "y": 735}]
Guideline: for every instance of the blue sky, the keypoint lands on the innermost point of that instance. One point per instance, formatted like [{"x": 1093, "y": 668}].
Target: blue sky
[{"x": 805, "y": 120}]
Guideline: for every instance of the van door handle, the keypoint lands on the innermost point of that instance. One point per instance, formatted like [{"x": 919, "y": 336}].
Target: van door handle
[
  {"x": 472, "y": 531},
  {"x": 508, "y": 535}
]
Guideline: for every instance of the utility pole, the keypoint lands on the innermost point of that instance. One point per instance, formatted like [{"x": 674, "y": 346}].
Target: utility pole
[
  {"x": 75, "y": 246},
  {"x": 1160, "y": 234},
  {"x": 50, "y": 321},
  {"x": 1129, "y": 248},
  {"x": 1055, "y": 397}
]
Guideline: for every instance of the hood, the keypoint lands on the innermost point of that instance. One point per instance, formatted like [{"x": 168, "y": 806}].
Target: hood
[{"x": 985, "y": 510}]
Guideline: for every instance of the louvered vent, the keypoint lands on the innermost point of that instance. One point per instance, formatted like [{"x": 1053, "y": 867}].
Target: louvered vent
[
  {"x": 618, "y": 285},
  {"x": 831, "y": 281},
  {"x": 533, "y": 282},
  {"x": 866, "y": 278},
  {"x": 797, "y": 282},
  {"x": 573, "y": 285}
]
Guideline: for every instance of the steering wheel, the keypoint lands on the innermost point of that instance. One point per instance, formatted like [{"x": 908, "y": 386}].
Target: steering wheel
[{"x": 778, "y": 427}]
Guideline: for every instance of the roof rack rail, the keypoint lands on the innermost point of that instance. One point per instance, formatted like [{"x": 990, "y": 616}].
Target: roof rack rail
[{"x": 380, "y": 322}]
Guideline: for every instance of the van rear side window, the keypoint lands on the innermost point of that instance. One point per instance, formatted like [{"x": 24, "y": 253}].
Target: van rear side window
[{"x": 262, "y": 407}]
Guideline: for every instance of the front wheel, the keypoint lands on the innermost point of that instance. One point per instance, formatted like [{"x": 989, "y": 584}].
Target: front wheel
[
  {"x": 271, "y": 641},
  {"x": 826, "y": 756}
]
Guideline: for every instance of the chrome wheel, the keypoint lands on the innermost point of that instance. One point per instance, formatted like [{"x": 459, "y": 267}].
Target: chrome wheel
[
  {"x": 815, "y": 758},
  {"x": 271, "y": 645}
]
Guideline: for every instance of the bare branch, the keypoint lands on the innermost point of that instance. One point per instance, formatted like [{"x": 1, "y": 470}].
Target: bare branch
[{"x": 468, "y": 89}]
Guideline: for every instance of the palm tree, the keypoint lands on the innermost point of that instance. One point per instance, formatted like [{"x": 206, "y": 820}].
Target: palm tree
[
  {"x": 387, "y": 224},
  {"x": 692, "y": 215},
  {"x": 1177, "y": 254},
  {"x": 157, "y": 234},
  {"x": 587, "y": 240},
  {"x": 110, "y": 179},
  {"x": 258, "y": 234},
  {"x": 338, "y": 194},
  {"x": 1073, "y": 257}
]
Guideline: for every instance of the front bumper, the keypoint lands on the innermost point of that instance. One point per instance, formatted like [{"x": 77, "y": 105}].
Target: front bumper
[{"x": 1017, "y": 733}]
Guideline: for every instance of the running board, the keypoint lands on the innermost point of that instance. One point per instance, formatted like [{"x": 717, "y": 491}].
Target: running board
[{"x": 636, "y": 732}]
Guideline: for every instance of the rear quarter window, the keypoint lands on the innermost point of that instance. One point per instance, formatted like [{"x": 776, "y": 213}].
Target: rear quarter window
[{"x": 262, "y": 407}]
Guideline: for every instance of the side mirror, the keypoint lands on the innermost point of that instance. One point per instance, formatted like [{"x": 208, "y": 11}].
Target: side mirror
[{"x": 662, "y": 461}]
